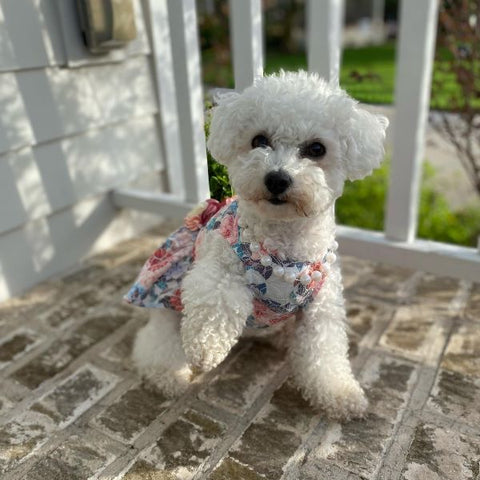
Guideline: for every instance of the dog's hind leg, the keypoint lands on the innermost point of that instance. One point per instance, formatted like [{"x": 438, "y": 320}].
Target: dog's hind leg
[{"x": 158, "y": 353}]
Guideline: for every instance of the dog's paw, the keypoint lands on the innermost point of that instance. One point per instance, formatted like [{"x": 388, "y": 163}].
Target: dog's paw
[
  {"x": 346, "y": 402},
  {"x": 204, "y": 356},
  {"x": 341, "y": 401},
  {"x": 207, "y": 339},
  {"x": 172, "y": 383}
]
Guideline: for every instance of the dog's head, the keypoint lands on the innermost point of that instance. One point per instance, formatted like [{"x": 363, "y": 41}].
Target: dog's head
[{"x": 291, "y": 140}]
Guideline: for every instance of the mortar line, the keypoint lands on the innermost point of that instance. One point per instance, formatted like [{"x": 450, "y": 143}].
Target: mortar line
[
  {"x": 50, "y": 384},
  {"x": 238, "y": 428},
  {"x": 164, "y": 420},
  {"x": 216, "y": 412},
  {"x": 77, "y": 426},
  {"x": 419, "y": 396},
  {"x": 446, "y": 422},
  {"x": 366, "y": 350},
  {"x": 53, "y": 335}
]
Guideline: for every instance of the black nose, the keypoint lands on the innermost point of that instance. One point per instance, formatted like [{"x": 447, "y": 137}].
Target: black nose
[{"x": 277, "y": 182}]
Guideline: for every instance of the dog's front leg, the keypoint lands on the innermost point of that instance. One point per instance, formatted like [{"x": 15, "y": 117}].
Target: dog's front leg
[
  {"x": 319, "y": 355},
  {"x": 216, "y": 304}
]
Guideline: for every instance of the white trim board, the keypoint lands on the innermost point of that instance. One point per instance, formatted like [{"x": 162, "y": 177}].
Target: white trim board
[
  {"x": 433, "y": 257},
  {"x": 165, "y": 204}
]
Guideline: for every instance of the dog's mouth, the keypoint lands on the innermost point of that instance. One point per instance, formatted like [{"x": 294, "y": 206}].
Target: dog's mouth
[{"x": 277, "y": 201}]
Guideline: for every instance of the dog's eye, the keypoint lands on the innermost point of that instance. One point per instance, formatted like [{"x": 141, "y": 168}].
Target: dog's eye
[
  {"x": 313, "y": 150},
  {"x": 260, "y": 141}
]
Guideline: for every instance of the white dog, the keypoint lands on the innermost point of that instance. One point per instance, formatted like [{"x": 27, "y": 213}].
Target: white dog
[{"x": 265, "y": 259}]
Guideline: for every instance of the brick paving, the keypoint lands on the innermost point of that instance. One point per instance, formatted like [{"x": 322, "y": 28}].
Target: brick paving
[{"x": 72, "y": 407}]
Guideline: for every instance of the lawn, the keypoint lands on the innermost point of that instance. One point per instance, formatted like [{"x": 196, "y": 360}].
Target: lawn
[{"x": 367, "y": 73}]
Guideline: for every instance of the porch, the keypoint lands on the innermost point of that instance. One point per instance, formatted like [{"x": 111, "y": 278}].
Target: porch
[{"x": 72, "y": 407}]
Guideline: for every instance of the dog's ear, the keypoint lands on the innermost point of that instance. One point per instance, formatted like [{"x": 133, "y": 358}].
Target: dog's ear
[
  {"x": 219, "y": 141},
  {"x": 364, "y": 139}
]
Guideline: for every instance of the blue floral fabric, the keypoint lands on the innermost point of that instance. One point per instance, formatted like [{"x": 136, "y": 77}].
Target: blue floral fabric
[{"x": 279, "y": 286}]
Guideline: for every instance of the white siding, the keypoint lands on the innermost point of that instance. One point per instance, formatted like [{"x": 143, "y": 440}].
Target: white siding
[
  {"x": 22, "y": 195},
  {"x": 98, "y": 161},
  {"x": 58, "y": 101},
  {"x": 30, "y": 36},
  {"x": 123, "y": 93},
  {"x": 68, "y": 136},
  {"x": 61, "y": 102},
  {"x": 49, "y": 245},
  {"x": 15, "y": 128}
]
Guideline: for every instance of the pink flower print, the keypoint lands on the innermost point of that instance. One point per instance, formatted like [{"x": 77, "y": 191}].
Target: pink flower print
[
  {"x": 157, "y": 256},
  {"x": 278, "y": 318},
  {"x": 147, "y": 278},
  {"x": 260, "y": 310},
  {"x": 159, "y": 260},
  {"x": 201, "y": 214},
  {"x": 193, "y": 222},
  {"x": 264, "y": 316},
  {"x": 198, "y": 241},
  {"x": 176, "y": 301},
  {"x": 229, "y": 229},
  {"x": 211, "y": 208}
]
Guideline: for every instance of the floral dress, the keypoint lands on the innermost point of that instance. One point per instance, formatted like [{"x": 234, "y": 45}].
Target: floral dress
[{"x": 280, "y": 286}]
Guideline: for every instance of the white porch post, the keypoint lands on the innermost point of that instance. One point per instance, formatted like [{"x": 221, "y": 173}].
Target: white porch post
[
  {"x": 165, "y": 84},
  {"x": 378, "y": 11},
  {"x": 246, "y": 41},
  {"x": 325, "y": 23},
  {"x": 418, "y": 24},
  {"x": 189, "y": 95}
]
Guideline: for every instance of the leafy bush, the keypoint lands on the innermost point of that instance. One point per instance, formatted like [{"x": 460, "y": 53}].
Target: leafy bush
[
  {"x": 217, "y": 174},
  {"x": 363, "y": 202},
  {"x": 363, "y": 205},
  {"x": 219, "y": 184}
]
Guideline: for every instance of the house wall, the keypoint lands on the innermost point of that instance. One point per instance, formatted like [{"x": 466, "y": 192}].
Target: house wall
[{"x": 72, "y": 127}]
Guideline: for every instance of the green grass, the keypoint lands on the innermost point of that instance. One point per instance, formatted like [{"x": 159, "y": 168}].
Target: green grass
[
  {"x": 367, "y": 73},
  {"x": 376, "y": 69}
]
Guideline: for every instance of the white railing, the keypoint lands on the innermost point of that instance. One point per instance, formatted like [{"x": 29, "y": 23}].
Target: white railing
[{"x": 177, "y": 66}]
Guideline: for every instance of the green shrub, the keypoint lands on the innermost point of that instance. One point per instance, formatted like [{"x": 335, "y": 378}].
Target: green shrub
[
  {"x": 219, "y": 184},
  {"x": 217, "y": 174},
  {"x": 363, "y": 205},
  {"x": 363, "y": 202},
  {"x": 438, "y": 222}
]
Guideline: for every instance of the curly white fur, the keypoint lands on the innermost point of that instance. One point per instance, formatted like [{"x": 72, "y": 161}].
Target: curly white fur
[{"x": 291, "y": 110}]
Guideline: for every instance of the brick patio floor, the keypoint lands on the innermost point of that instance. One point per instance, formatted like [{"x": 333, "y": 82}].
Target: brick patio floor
[{"x": 71, "y": 407}]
